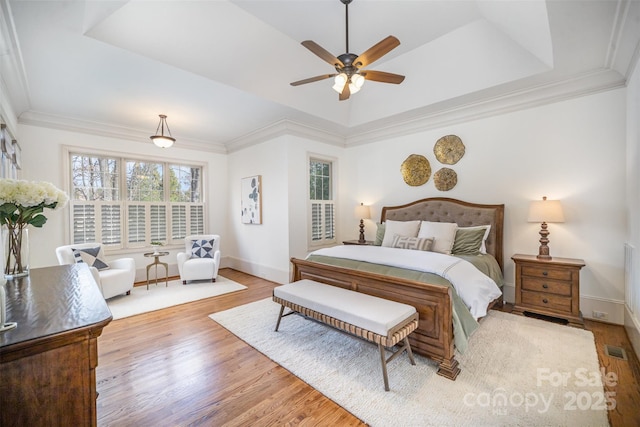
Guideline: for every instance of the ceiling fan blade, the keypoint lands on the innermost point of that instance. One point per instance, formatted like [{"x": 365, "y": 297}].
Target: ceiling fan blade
[
  {"x": 322, "y": 53},
  {"x": 381, "y": 76},
  {"x": 312, "y": 79},
  {"x": 346, "y": 93},
  {"x": 376, "y": 51}
]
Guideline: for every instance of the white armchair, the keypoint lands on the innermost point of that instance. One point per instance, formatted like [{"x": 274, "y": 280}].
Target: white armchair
[
  {"x": 199, "y": 261},
  {"x": 115, "y": 280}
]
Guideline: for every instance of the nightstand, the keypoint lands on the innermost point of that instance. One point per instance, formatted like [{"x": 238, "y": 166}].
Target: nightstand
[
  {"x": 357, "y": 242},
  {"x": 549, "y": 287}
]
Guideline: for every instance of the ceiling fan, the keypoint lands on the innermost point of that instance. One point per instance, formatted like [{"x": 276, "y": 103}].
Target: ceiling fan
[{"x": 350, "y": 76}]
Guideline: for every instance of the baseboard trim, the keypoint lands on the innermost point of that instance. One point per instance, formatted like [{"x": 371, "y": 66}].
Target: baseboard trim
[
  {"x": 632, "y": 326},
  {"x": 258, "y": 270}
]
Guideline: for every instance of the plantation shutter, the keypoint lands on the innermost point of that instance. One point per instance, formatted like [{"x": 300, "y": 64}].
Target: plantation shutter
[
  {"x": 329, "y": 222},
  {"x": 136, "y": 223},
  {"x": 110, "y": 224},
  {"x": 197, "y": 220},
  {"x": 316, "y": 221},
  {"x": 178, "y": 222},
  {"x": 158, "y": 215},
  {"x": 84, "y": 223}
]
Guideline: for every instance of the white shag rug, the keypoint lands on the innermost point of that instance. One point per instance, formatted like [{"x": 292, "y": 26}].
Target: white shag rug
[
  {"x": 517, "y": 371},
  {"x": 160, "y": 296}
]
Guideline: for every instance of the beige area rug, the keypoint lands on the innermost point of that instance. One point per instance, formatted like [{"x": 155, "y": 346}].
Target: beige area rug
[
  {"x": 517, "y": 371},
  {"x": 158, "y": 296}
]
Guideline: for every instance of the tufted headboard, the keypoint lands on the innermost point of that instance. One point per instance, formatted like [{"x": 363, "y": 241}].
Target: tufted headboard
[{"x": 465, "y": 214}]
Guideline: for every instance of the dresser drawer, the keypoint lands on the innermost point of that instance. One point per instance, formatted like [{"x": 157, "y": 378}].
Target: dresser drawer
[
  {"x": 554, "y": 287},
  {"x": 548, "y": 301},
  {"x": 548, "y": 273}
]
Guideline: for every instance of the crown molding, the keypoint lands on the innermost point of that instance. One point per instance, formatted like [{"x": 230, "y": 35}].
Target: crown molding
[
  {"x": 441, "y": 116},
  {"x": 432, "y": 117},
  {"x": 53, "y": 121},
  {"x": 285, "y": 127}
]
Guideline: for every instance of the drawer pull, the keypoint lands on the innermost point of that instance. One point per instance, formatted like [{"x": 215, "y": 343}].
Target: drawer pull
[
  {"x": 545, "y": 286},
  {"x": 545, "y": 301},
  {"x": 545, "y": 273}
]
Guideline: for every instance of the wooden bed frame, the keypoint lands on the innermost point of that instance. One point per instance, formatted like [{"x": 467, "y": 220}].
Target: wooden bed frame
[{"x": 434, "y": 336}]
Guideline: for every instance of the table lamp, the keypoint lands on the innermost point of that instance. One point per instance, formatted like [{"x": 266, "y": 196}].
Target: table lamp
[
  {"x": 545, "y": 211},
  {"x": 362, "y": 212}
]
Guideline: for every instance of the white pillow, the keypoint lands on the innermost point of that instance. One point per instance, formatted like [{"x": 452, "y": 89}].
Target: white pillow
[
  {"x": 483, "y": 247},
  {"x": 443, "y": 234},
  {"x": 401, "y": 228}
]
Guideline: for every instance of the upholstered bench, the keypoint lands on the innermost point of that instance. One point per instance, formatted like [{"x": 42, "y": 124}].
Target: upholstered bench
[{"x": 378, "y": 320}]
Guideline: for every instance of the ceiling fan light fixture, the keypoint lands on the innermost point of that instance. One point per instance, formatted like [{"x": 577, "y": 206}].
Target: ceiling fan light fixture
[
  {"x": 160, "y": 139},
  {"x": 339, "y": 82},
  {"x": 355, "y": 83}
]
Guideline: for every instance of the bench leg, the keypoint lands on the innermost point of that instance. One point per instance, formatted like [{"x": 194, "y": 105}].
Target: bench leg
[
  {"x": 383, "y": 359},
  {"x": 409, "y": 352},
  {"x": 279, "y": 317}
]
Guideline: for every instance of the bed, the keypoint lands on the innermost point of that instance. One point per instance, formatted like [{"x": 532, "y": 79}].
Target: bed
[{"x": 436, "y": 301}]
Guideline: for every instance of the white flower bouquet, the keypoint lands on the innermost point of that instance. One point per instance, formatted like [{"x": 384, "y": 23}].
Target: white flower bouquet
[{"x": 22, "y": 203}]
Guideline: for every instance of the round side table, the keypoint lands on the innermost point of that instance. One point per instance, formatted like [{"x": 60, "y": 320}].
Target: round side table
[{"x": 157, "y": 262}]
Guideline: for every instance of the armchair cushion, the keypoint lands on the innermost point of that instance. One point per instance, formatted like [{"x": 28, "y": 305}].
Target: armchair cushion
[
  {"x": 201, "y": 248},
  {"x": 92, "y": 256}
]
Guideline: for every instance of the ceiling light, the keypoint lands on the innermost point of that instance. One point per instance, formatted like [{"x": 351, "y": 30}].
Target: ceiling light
[
  {"x": 340, "y": 81},
  {"x": 160, "y": 139},
  {"x": 355, "y": 83}
]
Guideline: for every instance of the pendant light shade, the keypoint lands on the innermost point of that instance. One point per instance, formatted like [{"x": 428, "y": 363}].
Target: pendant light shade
[{"x": 160, "y": 139}]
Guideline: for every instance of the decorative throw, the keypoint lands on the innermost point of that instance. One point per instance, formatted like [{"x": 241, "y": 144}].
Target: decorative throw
[
  {"x": 202, "y": 249},
  {"x": 92, "y": 256}
]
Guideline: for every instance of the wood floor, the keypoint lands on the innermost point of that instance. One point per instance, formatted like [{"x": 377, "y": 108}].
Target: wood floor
[{"x": 176, "y": 367}]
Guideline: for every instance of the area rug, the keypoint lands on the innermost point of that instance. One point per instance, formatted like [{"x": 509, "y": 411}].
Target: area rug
[
  {"x": 158, "y": 296},
  {"x": 517, "y": 371}
]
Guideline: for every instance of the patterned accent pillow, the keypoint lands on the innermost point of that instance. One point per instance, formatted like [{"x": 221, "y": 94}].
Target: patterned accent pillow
[
  {"x": 415, "y": 243},
  {"x": 202, "y": 249},
  {"x": 92, "y": 256}
]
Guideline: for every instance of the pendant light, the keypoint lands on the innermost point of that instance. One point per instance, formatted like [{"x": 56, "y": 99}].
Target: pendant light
[{"x": 160, "y": 139}]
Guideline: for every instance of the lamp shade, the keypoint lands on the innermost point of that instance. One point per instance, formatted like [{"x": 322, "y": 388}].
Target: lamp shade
[
  {"x": 545, "y": 211},
  {"x": 362, "y": 212}
]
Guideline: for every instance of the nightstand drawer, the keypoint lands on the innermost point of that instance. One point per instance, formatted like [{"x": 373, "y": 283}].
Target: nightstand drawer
[
  {"x": 547, "y": 286},
  {"x": 548, "y": 273},
  {"x": 548, "y": 301}
]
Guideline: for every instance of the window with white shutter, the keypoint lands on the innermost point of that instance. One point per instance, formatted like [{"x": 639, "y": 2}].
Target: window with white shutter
[
  {"x": 321, "y": 202},
  {"x": 150, "y": 201}
]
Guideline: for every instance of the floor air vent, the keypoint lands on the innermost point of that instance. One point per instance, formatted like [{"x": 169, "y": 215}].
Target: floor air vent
[{"x": 615, "y": 352}]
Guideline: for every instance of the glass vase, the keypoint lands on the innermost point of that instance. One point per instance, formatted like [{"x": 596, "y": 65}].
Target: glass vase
[{"x": 15, "y": 245}]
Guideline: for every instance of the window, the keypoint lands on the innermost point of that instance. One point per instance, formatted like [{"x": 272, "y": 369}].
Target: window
[
  {"x": 129, "y": 203},
  {"x": 322, "y": 205}
]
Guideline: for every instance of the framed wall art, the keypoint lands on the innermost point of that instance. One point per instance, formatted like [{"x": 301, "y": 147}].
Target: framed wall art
[{"x": 251, "y": 200}]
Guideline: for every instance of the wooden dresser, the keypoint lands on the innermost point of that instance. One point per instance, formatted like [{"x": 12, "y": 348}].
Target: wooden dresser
[
  {"x": 47, "y": 363},
  {"x": 549, "y": 287}
]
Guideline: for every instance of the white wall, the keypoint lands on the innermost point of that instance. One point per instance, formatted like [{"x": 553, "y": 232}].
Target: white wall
[
  {"x": 42, "y": 150},
  {"x": 573, "y": 151},
  {"x": 264, "y": 250},
  {"x": 632, "y": 312}
]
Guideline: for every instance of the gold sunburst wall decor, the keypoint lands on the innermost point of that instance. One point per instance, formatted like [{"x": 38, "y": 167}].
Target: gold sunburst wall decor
[
  {"x": 445, "y": 179},
  {"x": 416, "y": 170},
  {"x": 449, "y": 149}
]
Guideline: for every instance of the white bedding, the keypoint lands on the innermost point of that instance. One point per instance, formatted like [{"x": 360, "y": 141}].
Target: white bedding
[{"x": 475, "y": 288}]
